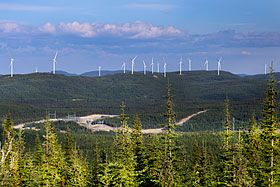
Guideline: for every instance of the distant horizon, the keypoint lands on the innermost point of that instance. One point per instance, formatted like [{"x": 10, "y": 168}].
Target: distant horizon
[{"x": 129, "y": 71}]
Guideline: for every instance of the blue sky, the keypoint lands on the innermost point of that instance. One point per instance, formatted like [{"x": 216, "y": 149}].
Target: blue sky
[{"x": 89, "y": 33}]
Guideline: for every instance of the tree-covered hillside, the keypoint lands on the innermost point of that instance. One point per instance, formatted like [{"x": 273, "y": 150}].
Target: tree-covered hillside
[{"x": 28, "y": 97}]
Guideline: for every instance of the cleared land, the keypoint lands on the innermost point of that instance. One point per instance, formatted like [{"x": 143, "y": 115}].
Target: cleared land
[{"x": 83, "y": 121}]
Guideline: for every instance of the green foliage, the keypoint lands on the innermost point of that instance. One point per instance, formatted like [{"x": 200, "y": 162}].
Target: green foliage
[
  {"x": 33, "y": 94},
  {"x": 129, "y": 158},
  {"x": 168, "y": 176},
  {"x": 270, "y": 137}
]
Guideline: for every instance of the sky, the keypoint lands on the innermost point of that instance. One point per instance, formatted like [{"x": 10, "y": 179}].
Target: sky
[{"x": 91, "y": 33}]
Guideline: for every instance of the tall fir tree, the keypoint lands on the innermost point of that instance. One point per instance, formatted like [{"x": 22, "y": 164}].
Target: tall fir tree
[
  {"x": 201, "y": 167},
  {"x": 9, "y": 175},
  {"x": 270, "y": 137},
  {"x": 139, "y": 151},
  {"x": 154, "y": 159},
  {"x": 168, "y": 175},
  {"x": 75, "y": 168},
  {"x": 121, "y": 171},
  {"x": 227, "y": 156},
  {"x": 52, "y": 159},
  {"x": 252, "y": 151}
]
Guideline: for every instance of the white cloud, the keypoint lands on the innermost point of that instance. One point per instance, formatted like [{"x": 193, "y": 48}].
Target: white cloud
[
  {"x": 84, "y": 29},
  {"x": 48, "y": 28},
  {"x": 10, "y": 27},
  {"x": 136, "y": 30}
]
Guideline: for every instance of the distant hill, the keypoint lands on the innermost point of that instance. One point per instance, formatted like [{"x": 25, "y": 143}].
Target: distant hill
[
  {"x": 103, "y": 73},
  {"x": 28, "y": 97},
  {"x": 64, "y": 73},
  {"x": 242, "y": 75}
]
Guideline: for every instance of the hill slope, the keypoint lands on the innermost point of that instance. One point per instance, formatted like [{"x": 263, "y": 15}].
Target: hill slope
[{"x": 28, "y": 97}]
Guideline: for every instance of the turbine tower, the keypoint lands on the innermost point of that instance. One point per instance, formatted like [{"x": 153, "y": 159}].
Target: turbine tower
[
  {"x": 144, "y": 67},
  {"x": 190, "y": 64},
  {"x": 164, "y": 69},
  {"x": 181, "y": 62},
  {"x": 132, "y": 64},
  {"x": 54, "y": 62},
  {"x": 158, "y": 67},
  {"x": 219, "y": 65},
  {"x": 36, "y": 70},
  {"x": 206, "y": 64},
  {"x": 12, "y": 67},
  {"x": 152, "y": 64},
  {"x": 123, "y": 67},
  {"x": 99, "y": 71},
  {"x": 265, "y": 68}
]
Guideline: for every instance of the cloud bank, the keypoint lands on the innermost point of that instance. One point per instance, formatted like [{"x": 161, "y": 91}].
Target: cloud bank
[{"x": 137, "y": 37}]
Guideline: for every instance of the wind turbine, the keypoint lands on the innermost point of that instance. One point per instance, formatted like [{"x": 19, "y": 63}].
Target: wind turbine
[
  {"x": 132, "y": 64},
  {"x": 144, "y": 67},
  {"x": 190, "y": 64},
  {"x": 152, "y": 64},
  {"x": 12, "y": 67},
  {"x": 164, "y": 69},
  {"x": 54, "y": 62},
  {"x": 158, "y": 67},
  {"x": 206, "y": 64},
  {"x": 181, "y": 62},
  {"x": 265, "y": 67},
  {"x": 99, "y": 71},
  {"x": 123, "y": 67},
  {"x": 36, "y": 70},
  {"x": 219, "y": 65}
]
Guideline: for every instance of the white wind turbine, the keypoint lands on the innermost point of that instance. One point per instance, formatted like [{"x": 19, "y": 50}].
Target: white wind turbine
[
  {"x": 164, "y": 69},
  {"x": 152, "y": 64},
  {"x": 123, "y": 67},
  {"x": 12, "y": 67},
  {"x": 206, "y": 64},
  {"x": 54, "y": 62},
  {"x": 265, "y": 68},
  {"x": 36, "y": 70},
  {"x": 132, "y": 64},
  {"x": 219, "y": 65},
  {"x": 99, "y": 71},
  {"x": 181, "y": 62},
  {"x": 158, "y": 67},
  {"x": 145, "y": 67},
  {"x": 190, "y": 64}
]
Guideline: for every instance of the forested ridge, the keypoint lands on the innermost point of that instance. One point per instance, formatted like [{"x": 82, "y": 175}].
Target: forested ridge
[
  {"x": 244, "y": 157},
  {"x": 28, "y": 97}
]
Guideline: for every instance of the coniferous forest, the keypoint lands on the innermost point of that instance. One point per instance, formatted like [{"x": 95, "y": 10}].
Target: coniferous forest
[{"x": 243, "y": 157}]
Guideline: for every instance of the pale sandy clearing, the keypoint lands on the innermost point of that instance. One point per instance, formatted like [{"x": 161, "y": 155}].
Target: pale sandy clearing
[{"x": 182, "y": 121}]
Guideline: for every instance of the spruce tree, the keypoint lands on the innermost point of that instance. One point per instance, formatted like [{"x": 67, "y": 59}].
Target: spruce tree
[
  {"x": 52, "y": 159},
  {"x": 201, "y": 167},
  {"x": 154, "y": 161},
  {"x": 227, "y": 157},
  {"x": 168, "y": 176},
  {"x": 38, "y": 155},
  {"x": 252, "y": 151},
  {"x": 139, "y": 150},
  {"x": 270, "y": 137},
  {"x": 9, "y": 156},
  {"x": 75, "y": 169},
  {"x": 121, "y": 171}
]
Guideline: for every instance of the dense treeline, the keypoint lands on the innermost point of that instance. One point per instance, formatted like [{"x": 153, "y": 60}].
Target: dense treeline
[{"x": 247, "y": 157}]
